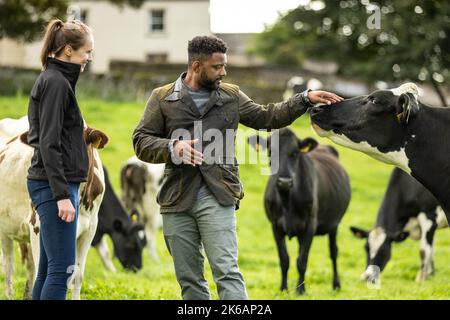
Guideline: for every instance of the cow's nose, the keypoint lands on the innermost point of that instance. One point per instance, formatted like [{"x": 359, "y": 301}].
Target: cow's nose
[{"x": 284, "y": 184}]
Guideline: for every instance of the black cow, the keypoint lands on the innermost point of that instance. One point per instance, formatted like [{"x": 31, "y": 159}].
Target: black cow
[
  {"x": 127, "y": 234},
  {"x": 408, "y": 209},
  {"x": 394, "y": 127},
  {"x": 308, "y": 196}
]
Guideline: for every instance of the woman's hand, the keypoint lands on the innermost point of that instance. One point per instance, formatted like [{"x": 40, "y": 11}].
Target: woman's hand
[
  {"x": 66, "y": 210},
  {"x": 323, "y": 97}
]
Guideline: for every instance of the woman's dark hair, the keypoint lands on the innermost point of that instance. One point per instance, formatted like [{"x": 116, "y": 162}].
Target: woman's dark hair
[
  {"x": 204, "y": 46},
  {"x": 58, "y": 34}
]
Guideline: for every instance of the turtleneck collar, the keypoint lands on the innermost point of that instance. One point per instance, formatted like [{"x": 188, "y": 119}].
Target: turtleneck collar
[{"x": 71, "y": 71}]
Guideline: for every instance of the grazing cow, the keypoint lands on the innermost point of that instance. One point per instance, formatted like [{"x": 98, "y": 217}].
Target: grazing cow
[
  {"x": 140, "y": 183},
  {"x": 126, "y": 232},
  {"x": 394, "y": 127},
  {"x": 408, "y": 209},
  {"x": 18, "y": 220},
  {"x": 308, "y": 196}
]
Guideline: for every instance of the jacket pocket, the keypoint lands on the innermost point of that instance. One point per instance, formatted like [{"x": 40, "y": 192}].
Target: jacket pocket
[
  {"x": 230, "y": 177},
  {"x": 170, "y": 191}
]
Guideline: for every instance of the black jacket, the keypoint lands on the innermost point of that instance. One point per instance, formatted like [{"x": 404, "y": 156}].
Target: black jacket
[{"x": 56, "y": 129}]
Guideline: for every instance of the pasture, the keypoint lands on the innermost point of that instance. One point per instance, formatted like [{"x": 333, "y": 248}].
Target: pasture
[{"x": 257, "y": 252}]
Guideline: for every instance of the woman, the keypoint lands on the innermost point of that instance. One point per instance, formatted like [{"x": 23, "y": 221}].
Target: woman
[{"x": 60, "y": 159}]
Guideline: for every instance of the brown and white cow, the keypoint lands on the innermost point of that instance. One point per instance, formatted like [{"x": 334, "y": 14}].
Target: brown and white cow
[{"x": 19, "y": 222}]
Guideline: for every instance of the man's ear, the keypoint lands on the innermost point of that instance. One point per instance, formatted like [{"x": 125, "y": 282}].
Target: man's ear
[
  {"x": 406, "y": 107},
  {"x": 307, "y": 145},
  {"x": 359, "y": 233},
  {"x": 400, "y": 236},
  {"x": 258, "y": 143},
  {"x": 195, "y": 66}
]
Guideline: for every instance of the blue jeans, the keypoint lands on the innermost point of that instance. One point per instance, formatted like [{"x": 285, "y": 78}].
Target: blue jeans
[{"x": 57, "y": 242}]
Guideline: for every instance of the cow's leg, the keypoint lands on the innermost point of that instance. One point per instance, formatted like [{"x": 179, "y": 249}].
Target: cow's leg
[
  {"x": 304, "y": 241},
  {"x": 150, "y": 234},
  {"x": 428, "y": 227},
  {"x": 27, "y": 257},
  {"x": 8, "y": 263},
  {"x": 103, "y": 252},
  {"x": 282, "y": 255},
  {"x": 35, "y": 226},
  {"x": 333, "y": 255},
  {"x": 83, "y": 244}
]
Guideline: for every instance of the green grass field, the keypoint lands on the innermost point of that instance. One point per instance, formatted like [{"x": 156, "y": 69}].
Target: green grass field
[{"x": 258, "y": 258}]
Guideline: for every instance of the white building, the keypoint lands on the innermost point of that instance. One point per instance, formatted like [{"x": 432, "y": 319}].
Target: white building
[{"x": 158, "y": 31}]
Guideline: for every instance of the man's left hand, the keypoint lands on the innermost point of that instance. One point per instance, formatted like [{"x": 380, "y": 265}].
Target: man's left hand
[{"x": 323, "y": 97}]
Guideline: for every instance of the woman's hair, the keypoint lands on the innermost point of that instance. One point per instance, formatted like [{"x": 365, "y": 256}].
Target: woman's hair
[{"x": 58, "y": 34}]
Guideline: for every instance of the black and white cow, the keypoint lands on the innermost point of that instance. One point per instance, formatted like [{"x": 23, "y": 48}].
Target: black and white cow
[
  {"x": 140, "y": 183},
  {"x": 408, "y": 210},
  {"x": 127, "y": 234},
  {"x": 394, "y": 127},
  {"x": 308, "y": 196}
]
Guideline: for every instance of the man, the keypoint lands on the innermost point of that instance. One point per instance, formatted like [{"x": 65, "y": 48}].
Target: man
[{"x": 199, "y": 195}]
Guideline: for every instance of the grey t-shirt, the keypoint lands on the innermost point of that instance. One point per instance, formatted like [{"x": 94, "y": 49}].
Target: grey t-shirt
[{"x": 201, "y": 98}]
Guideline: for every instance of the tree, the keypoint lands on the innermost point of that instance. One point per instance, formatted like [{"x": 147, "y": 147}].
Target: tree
[
  {"x": 394, "y": 41},
  {"x": 25, "y": 19}
]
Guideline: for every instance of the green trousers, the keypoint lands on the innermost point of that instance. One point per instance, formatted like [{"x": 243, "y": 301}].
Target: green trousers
[{"x": 213, "y": 227}]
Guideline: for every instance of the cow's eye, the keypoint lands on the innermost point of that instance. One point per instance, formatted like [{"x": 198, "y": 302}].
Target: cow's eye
[{"x": 373, "y": 100}]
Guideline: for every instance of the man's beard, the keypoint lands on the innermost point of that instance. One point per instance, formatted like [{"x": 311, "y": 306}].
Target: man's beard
[{"x": 207, "y": 83}]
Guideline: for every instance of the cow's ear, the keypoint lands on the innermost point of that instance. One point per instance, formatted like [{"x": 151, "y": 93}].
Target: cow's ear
[
  {"x": 96, "y": 137},
  {"x": 307, "y": 145},
  {"x": 406, "y": 107},
  {"x": 359, "y": 233},
  {"x": 24, "y": 138},
  {"x": 400, "y": 236},
  {"x": 118, "y": 225},
  {"x": 258, "y": 143}
]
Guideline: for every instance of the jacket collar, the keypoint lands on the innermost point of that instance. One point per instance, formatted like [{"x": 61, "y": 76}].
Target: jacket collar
[
  {"x": 70, "y": 71},
  {"x": 176, "y": 94},
  {"x": 180, "y": 92}
]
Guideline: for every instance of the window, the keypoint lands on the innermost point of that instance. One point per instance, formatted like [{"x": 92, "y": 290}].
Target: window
[
  {"x": 156, "y": 20},
  {"x": 156, "y": 58}
]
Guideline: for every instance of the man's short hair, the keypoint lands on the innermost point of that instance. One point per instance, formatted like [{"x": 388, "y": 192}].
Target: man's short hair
[{"x": 202, "y": 47}]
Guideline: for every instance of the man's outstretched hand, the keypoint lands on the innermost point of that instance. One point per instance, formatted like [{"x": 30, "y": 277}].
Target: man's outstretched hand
[{"x": 323, "y": 97}]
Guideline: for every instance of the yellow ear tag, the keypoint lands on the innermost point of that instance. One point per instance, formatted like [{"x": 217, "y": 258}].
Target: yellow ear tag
[
  {"x": 306, "y": 149},
  {"x": 134, "y": 218},
  {"x": 97, "y": 143},
  {"x": 400, "y": 116}
]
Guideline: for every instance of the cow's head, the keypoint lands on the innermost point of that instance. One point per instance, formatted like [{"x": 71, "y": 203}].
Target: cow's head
[
  {"x": 374, "y": 124},
  {"x": 129, "y": 241},
  {"x": 291, "y": 153},
  {"x": 378, "y": 248}
]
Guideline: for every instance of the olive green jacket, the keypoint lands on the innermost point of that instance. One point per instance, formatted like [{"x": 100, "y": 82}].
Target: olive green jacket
[{"x": 171, "y": 108}]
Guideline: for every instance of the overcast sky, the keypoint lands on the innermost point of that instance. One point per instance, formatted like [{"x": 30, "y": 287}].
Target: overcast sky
[{"x": 241, "y": 16}]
